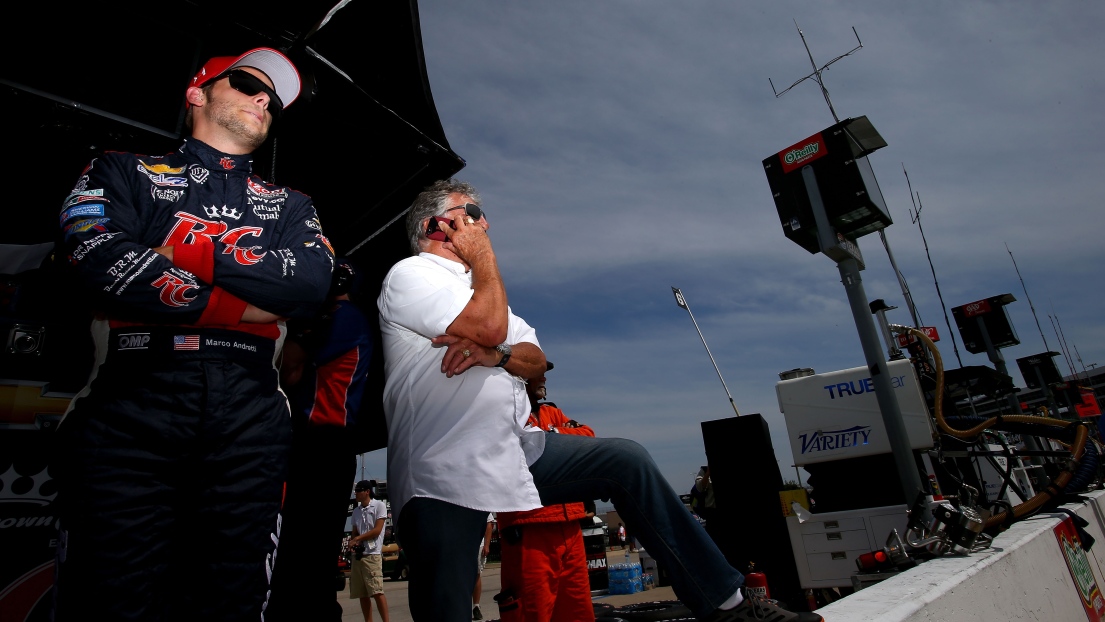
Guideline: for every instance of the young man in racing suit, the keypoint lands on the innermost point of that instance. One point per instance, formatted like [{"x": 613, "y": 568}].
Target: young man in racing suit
[
  {"x": 544, "y": 562},
  {"x": 171, "y": 462}
]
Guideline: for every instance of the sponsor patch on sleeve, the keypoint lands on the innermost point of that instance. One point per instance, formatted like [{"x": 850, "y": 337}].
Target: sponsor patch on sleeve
[
  {"x": 90, "y": 224},
  {"x": 92, "y": 209}
]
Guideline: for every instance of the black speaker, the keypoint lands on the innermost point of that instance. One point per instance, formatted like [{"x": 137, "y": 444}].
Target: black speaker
[
  {"x": 748, "y": 524},
  {"x": 838, "y": 155}
]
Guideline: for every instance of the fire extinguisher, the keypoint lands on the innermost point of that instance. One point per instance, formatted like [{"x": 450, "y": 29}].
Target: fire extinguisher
[{"x": 755, "y": 583}]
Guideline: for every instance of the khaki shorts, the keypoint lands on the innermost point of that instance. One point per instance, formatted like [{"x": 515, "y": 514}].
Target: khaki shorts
[{"x": 367, "y": 577}]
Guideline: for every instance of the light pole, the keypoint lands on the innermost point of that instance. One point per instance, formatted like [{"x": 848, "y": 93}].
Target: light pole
[{"x": 682, "y": 302}]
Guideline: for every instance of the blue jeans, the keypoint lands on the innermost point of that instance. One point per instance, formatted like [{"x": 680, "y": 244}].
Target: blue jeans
[{"x": 582, "y": 468}]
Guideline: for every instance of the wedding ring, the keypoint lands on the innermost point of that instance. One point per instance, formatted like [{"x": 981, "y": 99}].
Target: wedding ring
[
  {"x": 467, "y": 353},
  {"x": 469, "y": 220}
]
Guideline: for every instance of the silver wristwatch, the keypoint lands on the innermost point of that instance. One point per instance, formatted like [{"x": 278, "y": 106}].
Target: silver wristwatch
[{"x": 503, "y": 349}]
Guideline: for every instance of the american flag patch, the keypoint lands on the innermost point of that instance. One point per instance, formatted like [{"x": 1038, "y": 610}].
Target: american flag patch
[{"x": 186, "y": 342}]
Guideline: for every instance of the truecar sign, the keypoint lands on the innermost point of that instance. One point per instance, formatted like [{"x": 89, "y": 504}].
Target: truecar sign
[{"x": 836, "y": 415}]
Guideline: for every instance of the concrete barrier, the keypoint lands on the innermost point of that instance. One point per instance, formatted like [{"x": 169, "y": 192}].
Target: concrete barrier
[{"x": 1024, "y": 575}]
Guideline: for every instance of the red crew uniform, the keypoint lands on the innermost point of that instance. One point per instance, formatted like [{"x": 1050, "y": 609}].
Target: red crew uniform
[{"x": 544, "y": 563}]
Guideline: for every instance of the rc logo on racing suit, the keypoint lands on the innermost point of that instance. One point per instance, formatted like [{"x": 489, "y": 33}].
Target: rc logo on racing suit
[
  {"x": 173, "y": 289},
  {"x": 191, "y": 229},
  {"x": 246, "y": 256}
]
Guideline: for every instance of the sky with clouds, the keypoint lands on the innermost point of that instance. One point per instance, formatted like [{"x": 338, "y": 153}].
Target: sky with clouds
[{"x": 617, "y": 145}]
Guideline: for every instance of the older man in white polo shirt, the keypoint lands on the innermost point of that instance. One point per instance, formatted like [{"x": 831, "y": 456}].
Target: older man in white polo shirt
[{"x": 455, "y": 357}]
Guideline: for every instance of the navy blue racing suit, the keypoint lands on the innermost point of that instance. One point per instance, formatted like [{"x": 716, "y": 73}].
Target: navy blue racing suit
[{"x": 172, "y": 461}]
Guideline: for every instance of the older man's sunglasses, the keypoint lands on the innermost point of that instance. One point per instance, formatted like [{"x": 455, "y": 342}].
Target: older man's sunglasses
[
  {"x": 249, "y": 84},
  {"x": 471, "y": 209}
]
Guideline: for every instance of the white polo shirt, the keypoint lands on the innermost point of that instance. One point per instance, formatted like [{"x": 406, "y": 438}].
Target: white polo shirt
[
  {"x": 364, "y": 519},
  {"x": 462, "y": 439}
]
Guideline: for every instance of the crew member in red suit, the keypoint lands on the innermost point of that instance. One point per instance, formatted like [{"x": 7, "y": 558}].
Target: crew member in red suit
[{"x": 544, "y": 563}]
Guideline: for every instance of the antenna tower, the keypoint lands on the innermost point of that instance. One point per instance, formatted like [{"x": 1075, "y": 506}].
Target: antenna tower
[
  {"x": 1061, "y": 337},
  {"x": 915, "y": 218},
  {"x": 816, "y": 77},
  {"x": 1030, "y": 305}
]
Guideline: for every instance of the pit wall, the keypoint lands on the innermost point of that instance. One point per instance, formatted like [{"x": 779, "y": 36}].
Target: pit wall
[{"x": 1022, "y": 576}]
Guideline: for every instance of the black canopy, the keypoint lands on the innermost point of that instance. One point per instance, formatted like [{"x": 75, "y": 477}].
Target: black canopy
[{"x": 362, "y": 139}]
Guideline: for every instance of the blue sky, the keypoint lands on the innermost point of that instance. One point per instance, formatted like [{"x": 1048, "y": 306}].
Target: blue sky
[{"x": 618, "y": 144}]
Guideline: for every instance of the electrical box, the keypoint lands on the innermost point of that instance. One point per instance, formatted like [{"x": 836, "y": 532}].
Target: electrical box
[
  {"x": 836, "y": 415},
  {"x": 993, "y": 315},
  {"x": 838, "y": 156}
]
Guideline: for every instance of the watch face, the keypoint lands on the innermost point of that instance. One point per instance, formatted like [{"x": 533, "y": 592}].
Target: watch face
[{"x": 503, "y": 349}]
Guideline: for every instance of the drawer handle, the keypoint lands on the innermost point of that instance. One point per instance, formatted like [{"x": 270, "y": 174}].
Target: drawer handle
[
  {"x": 832, "y": 524},
  {"x": 838, "y": 555},
  {"x": 833, "y": 535}
]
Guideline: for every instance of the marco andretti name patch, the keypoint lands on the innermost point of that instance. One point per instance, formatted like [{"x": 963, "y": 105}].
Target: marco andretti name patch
[{"x": 229, "y": 343}]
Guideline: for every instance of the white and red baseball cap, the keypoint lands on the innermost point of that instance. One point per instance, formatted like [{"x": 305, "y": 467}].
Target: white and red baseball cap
[{"x": 284, "y": 76}]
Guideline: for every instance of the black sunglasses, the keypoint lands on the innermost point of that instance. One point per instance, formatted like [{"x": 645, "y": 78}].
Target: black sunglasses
[
  {"x": 471, "y": 209},
  {"x": 249, "y": 84}
]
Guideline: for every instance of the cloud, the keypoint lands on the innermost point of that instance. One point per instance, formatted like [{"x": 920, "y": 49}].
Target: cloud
[{"x": 618, "y": 148}]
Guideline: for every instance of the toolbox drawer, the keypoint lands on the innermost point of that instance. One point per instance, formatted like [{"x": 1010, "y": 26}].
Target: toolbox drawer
[
  {"x": 835, "y": 524},
  {"x": 836, "y": 541},
  {"x": 836, "y": 567}
]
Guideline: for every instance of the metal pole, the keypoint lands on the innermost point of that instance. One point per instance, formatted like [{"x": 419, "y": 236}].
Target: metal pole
[
  {"x": 880, "y": 375},
  {"x": 1049, "y": 397},
  {"x": 682, "y": 302},
  {"x": 901, "y": 281},
  {"x": 908, "y": 473},
  {"x": 1030, "y": 442},
  {"x": 998, "y": 360},
  {"x": 879, "y": 308}
]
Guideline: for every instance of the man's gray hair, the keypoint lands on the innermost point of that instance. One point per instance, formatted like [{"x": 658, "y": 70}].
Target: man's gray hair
[{"x": 434, "y": 201}]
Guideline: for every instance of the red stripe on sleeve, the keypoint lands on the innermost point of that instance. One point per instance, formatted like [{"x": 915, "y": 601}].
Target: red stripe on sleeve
[{"x": 332, "y": 388}]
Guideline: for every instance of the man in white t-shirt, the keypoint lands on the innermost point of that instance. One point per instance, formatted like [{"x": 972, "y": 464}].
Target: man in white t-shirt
[
  {"x": 455, "y": 362},
  {"x": 366, "y": 581}
]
